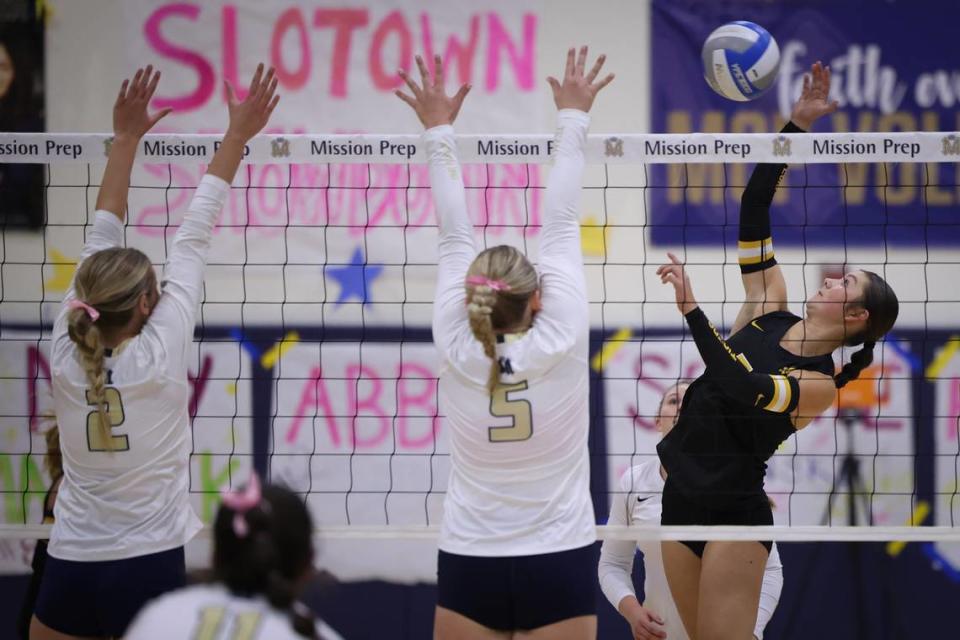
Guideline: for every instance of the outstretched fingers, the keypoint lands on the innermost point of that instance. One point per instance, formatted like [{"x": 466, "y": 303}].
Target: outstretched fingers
[
  {"x": 255, "y": 80},
  {"x": 160, "y": 115},
  {"x": 595, "y": 69},
  {"x": 581, "y": 61},
  {"x": 458, "y": 98},
  {"x": 135, "y": 84},
  {"x": 231, "y": 93},
  {"x": 607, "y": 80},
  {"x": 571, "y": 63},
  {"x": 141, "y": 84},
  {"x": 152, "y": 86},
  {"x": 414, "y": 89},
  {"x": 438, "y": 71},
  {"x": 825, "y": 81},
  {"x": 408, "y": 99},
  {"x": 554, "y": 86},
  {"x": 269, "y": 88},
  {"x": 424, "y": 73},
  {"x": 273, "y": 104}
]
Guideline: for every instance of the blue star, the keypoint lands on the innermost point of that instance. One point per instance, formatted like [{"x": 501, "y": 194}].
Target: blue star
[{"x": 355, "y": 278}]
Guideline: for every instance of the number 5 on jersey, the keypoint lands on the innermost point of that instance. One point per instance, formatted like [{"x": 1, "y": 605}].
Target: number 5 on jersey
[
  {"x": 517, "y": 409},
  {"x": 115, "y": 416}
]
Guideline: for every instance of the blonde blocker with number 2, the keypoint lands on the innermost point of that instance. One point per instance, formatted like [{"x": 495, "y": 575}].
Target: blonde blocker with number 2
[
  {"x": 119, "y": 357},
  {"x": 113, "y": 282}
]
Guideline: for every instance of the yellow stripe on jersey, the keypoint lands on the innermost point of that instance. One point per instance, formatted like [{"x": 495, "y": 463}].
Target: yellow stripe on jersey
[
  {"x": 755, "y": 251},
  {"x": 781, "y": 395}
]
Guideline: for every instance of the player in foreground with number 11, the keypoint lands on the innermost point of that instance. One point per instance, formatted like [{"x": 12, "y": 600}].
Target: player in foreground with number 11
[
  {"x": 515, "y": 557},
  {"x": 119, "y": 355}
]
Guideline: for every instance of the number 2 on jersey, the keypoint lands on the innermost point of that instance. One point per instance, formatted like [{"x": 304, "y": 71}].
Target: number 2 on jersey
[
  {"x": 518, "y": 410},
  {"x": 115, "y": 416}
]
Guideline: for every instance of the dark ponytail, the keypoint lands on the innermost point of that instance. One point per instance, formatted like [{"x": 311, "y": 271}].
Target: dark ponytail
[
  {"x": 858, "y": 362},
  {"x": 270, "y": 555},
  {"x": 882, "y": 308}
]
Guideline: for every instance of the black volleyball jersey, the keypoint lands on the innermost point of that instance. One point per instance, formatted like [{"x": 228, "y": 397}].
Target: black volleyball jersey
[{"x": 717, "y": 452}]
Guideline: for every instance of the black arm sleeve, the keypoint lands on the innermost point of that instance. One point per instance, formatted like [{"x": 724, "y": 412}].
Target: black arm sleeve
[
  {"x": 774, "y": 393},
  {"x": 755, "y": 242}
]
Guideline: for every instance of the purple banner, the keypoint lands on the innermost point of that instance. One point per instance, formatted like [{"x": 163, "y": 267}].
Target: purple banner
[{"x": 894, "y": 69}]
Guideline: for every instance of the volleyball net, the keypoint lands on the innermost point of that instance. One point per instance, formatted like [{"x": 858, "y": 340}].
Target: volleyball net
[{"x": 313, "y": 361}]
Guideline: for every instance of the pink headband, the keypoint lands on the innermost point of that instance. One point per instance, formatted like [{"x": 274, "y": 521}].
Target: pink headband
[
  {"x": 241, "y": 502},
  {"x": 483, "y": 281},
  {"x": 80, "y": 304}
]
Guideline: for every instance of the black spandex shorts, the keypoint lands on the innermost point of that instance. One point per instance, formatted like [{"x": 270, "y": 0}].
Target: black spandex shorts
[
  {"x": 519, "y": 593},
  {"x": 101, "y": 598},
  {"x": 680, "y": 510}
]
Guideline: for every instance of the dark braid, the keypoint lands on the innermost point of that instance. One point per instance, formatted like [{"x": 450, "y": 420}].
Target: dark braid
[
  {"x": 883, "y": 307},
  {"x": 272, "y": 557},
  {"x": 858, "y": 362}
]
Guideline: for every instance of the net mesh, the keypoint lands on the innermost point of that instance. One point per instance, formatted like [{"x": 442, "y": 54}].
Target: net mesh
[{"x": 313, "y": 360}]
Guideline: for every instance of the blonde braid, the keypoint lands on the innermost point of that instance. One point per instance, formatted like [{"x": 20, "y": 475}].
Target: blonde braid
[
  {"x": 481, "y": 305},
  {"x": 85, "y": 334}
]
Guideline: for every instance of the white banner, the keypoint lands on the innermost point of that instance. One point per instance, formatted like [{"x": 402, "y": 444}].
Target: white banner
[
  {"x": 632, "y": 149},
  {"x": 337, "y": 61}
]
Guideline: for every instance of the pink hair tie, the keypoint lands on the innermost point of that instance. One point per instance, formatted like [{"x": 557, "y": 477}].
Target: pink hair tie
[
  {"x": 241, "y": 502},
  {"x": 80, "y": 304},
  {"x": 483, "y": 281}
]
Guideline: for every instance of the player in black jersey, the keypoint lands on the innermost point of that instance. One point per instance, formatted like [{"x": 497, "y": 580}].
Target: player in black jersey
[{"x": 773, "y": 376}]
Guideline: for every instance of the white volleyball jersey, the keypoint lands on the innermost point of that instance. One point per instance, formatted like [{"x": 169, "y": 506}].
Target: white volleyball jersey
[
  {"x": 640, "y": 502},
  {"x": 132, "y": 501},
  {"x": 211, "y": 612},
  {"x": 520, "y": 472}
]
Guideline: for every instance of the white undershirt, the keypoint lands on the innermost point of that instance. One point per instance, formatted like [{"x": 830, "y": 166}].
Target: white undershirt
[{"x": 640, "y": 502}]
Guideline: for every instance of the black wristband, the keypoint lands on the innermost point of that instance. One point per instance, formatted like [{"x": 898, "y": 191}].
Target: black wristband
[{"x": 791, "y": 127}]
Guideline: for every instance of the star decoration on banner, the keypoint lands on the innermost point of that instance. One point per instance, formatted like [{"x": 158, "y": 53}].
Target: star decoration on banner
[
  {"x": 63, "y": 268},
  {"x": 355, "y": 278}
]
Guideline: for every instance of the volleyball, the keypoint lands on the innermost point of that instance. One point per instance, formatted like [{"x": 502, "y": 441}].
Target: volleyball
[{"x": 740, "y": 60}]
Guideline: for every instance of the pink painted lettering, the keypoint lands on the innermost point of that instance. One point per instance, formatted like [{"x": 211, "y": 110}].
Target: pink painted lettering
[
  {"x": 228, "y": 34},
  {"x": 358, "y": 197},
  {"x": 369, "y": 405},
  {"x": 314, "y": 398},
  {"x": 521, "y": 59},
  {"x": 393, "y": 24},
  {"x": 343, "y": 22},
  {"x": 455, "y": 51},
  {"x": 296, "y": 78},
  {"x": 410, "y": 403},
  {"x": 187, "y": 57}
]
